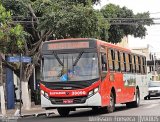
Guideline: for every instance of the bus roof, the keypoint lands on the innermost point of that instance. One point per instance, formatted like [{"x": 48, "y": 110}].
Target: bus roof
[
  {"x": 113, "y": 46},
  {"x": 71, "y": 39},
  {"x": 99, "y": 42}
]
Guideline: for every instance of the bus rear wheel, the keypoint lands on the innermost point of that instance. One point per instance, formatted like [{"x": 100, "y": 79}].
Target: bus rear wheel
[
  {"x": 111, "y": 106},
  {"x": 64, "y": 112},
  {"x": 135, "y": 103}
]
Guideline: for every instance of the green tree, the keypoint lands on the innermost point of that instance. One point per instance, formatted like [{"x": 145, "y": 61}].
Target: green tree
[
  {"x": 53, "y": 19},
  {"x": 11, "y": 41},
  {"x": 11, "y": 35},
  {"x": 133, "y": 24}
]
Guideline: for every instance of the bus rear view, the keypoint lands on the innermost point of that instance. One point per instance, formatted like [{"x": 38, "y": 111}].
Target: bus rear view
[{"x": 69, "y": 75}]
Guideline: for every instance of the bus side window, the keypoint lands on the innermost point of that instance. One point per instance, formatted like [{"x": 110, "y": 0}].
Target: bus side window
[
  {"x": 103, "y": 62},
  {"x": 134, "y": 64},
  {"x": 127, "y": 63},
  {"x": 113, "y": 58},
  {"x": 110, "y": 63},
  {"x": 141, "y": 65},
  {"x": 137, "y": 64},
  {"x": 130, "y": 63},
  {"x": 124, "y": 58},
  {"x": 119, "y": 61},
  {"x": 122, "y": 61},
  {"x": 144, "y": 65},
  {"x": 116, "y": 61}
]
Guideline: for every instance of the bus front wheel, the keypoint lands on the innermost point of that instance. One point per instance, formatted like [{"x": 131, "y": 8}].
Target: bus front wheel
[
  {"x": 63, "y": 111},
  {"x": 111, "y": 106}
]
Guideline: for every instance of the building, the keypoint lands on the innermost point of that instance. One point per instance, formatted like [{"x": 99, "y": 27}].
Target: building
[{"x": 124, "y": 42}]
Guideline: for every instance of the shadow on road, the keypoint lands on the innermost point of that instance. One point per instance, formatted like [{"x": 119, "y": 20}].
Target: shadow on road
[{"x": 88, "y": 112}]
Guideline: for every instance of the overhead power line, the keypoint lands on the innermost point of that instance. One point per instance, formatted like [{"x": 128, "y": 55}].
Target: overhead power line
[
  {"x": 30, "y": 17},
  {"x": 112, "y": 21}
]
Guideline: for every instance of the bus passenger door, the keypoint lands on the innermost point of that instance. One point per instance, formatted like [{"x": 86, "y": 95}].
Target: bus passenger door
[{"x": 104, "y": 79}]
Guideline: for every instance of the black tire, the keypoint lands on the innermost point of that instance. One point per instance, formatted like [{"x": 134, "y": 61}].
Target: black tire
[
  {"x": 96, "y": 110},
  {"x": 64, "y": 112},
  {"x": 146, "y": 97},
  {"x": 149, "y": 97},
  {"x": 111, "y": 107},
  {"x": 135, "y": 103}
]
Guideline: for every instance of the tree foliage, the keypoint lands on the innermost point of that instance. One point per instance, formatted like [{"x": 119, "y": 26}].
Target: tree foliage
[
  {"x": 135, "y": 25},
  {"x": 53, "y": 19},
  {"x": 72, "y": 21},
  {"x": 11, "y": 35}
]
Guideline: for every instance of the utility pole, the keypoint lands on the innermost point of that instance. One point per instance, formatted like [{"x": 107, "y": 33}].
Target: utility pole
[
  {"x": 154, "y": 59},
  {"x": 21, "y": 68}
]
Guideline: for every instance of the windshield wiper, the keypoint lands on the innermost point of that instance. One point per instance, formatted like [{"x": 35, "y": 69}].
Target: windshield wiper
[
  {"x": 77, "y": 59},
  {"x": 60, "y": 62}
]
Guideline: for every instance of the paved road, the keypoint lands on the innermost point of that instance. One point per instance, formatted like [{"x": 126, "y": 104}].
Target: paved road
[{"x": 147, "y": 108}]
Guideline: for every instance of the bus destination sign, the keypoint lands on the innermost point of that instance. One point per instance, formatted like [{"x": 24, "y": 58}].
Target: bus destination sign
[{"x": 67, "y": 45}]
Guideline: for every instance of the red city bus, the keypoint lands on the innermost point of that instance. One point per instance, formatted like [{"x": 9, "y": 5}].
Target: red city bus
[{"x": 85, "y": 72}]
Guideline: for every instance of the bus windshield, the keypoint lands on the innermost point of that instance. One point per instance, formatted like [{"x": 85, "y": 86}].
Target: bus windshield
[{"x": 70, "y": 67}]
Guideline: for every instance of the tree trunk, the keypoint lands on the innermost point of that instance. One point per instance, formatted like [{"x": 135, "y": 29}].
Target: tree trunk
[
  {"x": 25, "y": 96},
  {"x": 3, "y": 106}
]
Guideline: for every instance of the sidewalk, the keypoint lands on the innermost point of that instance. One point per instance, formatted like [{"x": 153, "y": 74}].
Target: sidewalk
[{"x": 35, "y": 110}]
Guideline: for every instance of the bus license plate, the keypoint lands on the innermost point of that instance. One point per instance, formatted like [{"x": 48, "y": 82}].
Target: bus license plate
[{"x": 68, "y": 101}]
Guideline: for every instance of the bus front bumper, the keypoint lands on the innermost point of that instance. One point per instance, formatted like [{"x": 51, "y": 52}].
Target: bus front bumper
[{"x": 94, "y": 100}]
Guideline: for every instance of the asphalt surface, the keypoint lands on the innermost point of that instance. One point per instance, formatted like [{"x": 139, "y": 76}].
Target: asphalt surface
[{"x": 147, "y": 108}]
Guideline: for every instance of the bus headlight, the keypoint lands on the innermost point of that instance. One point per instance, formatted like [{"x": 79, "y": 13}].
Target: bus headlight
[
  {"x": 96, "y": 90},
  {"x": 45, "y": 94},
  {"x": 42, "y": 92},
  {"x": 92, "y": 92}
]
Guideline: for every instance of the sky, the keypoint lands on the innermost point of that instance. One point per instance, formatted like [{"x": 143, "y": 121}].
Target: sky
[{"x": 138, "y": 6}]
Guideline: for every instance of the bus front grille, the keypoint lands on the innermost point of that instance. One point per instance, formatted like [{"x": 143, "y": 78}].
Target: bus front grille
[{"x": 76, "y": 100}]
